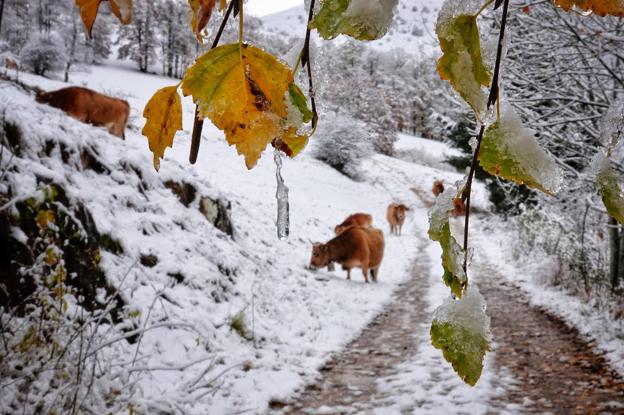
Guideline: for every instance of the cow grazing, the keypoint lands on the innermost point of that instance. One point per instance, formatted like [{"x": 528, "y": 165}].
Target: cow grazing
[
  {"x": 355, "y": 247},
  {"x": 396, "y": 217},
  {"x": 438, "y": 188},
  {"x": 357, "y": 219},
  {"x": 90, "y": 107}
]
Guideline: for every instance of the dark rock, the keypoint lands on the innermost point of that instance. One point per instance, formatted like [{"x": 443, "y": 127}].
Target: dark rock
[
  {"x": 149, "y": 260},
  {"x": 184, "y": 191},
  {"x": 218, "y": 213}
]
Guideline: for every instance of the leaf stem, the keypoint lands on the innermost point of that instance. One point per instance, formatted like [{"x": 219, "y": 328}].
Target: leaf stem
[
  {"x": 198, "y": 123},
  {"x": 492, "y": 99}
]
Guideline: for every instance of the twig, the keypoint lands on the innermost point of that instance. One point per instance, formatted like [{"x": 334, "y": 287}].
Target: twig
[
  {"x": 198, "y": 124},
  {"x": 492, "y": 99}
]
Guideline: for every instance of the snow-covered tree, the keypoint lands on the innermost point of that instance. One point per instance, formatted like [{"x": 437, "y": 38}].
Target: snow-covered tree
[
  {"x": 342, "y": 142},
  {"x": 43, "y": 53}
]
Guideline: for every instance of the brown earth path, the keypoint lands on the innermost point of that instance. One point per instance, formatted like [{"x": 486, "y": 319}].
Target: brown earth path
[{"x": 554, "y": 369}]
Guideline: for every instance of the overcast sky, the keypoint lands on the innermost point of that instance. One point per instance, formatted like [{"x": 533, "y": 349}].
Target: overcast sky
[{"x": 262, "y": 7}]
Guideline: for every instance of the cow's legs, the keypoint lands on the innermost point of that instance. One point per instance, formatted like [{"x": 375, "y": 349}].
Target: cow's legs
[
  {"x": 349, "y": 273},
  {"x": 365, "y": 272}
]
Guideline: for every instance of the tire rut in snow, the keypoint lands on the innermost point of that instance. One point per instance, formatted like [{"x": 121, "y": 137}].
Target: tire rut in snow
[
  {"x": 347, "y": 382},
  {"x": 557, "y": 370}
]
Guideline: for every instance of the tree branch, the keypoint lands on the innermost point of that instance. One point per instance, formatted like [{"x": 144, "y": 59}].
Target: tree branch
[{"x": 198, "y": 123}]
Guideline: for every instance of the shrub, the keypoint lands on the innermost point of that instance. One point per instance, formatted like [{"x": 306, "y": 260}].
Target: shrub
[{"x": 342, "y": 142}]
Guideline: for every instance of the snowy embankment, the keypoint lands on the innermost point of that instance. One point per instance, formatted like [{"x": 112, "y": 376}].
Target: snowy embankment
[
  {"x": 532, "y": 276},
  {"x": 205, "y": 278}
]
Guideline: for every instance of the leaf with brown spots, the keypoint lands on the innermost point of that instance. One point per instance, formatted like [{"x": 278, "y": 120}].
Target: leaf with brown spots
[{"x": 249, "y": 94}]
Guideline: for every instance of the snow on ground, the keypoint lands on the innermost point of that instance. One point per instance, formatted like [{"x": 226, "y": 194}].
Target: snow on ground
[
  {"x": 298, "y": 317},
  {"x": 496, "y": 247},
  {"x": 412, "y": 30}
]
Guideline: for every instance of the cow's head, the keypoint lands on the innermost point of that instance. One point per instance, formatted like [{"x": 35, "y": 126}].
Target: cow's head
[
  {"x": 401, "y": 212},
  {"x": 42, "y": 97},
  {"x": 320, "y": 256}
]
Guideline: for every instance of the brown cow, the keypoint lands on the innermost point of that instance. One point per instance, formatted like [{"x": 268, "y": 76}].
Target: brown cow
[
  {"x": 396, "y": 217},
  {"x": 438, "y": 188},
  {"x": 357, "y": 219},
  {"x": 90, "y": 107},
  {"x": 355, "y": 247}
]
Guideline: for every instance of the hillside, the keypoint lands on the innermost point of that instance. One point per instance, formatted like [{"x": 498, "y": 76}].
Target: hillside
[
  {"x": 176, "y": 271},
  {"x": 413, "y": 29}
]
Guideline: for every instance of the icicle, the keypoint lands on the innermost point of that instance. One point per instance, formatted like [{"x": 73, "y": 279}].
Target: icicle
[{"x": 283, "y": 219}]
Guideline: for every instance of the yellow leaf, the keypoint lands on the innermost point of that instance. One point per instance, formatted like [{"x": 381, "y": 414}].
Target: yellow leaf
[
  {"x": 164, "y": 117},
  {"x": 89, "y": 10},
  {"x": 243, "y": 92},
  {"x": 201, "y": 10},
  {"x": 122, "y": 9},
  {"x": 222, "y": 4},
  {"x": 600, "y": 7}
]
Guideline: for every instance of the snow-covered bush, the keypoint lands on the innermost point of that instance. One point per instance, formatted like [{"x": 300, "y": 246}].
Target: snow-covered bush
[
  {"x": 342, "y": 142},
  {"x": 44, "y": 52}
]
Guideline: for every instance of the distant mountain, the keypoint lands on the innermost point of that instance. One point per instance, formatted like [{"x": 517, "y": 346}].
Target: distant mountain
[{"x": 413, "y": 28}]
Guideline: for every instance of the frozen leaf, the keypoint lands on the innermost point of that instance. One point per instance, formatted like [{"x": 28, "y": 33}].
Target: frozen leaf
[
  {"x": 360, "y": 19},
  {"x": 460, "y": 328},
  {"x": 89, "y": 10},
  {"x": 440, "y": 230},
  {"x": 244, "y": 93},
  {"x": 609, "y": 188},
  {"x": 613, "y": 125},
  {"x": 510, "y": 150},
  {"x": 201, "y": 10},
  {"x": 163, "y": 113},
  {"x": 462, "y": 63},
  {"x": 600, "y": 7}
]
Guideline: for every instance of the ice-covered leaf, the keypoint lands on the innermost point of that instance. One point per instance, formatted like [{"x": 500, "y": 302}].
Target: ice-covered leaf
[
  {"x": 612, "y": 128},
  {"x": 244, "y": 93},
  {"x": 440, "y": 230},
  {"x": 360, "y": 19},
  {"x": 163, "y": 115},
  {"x": 609, "y": 188},
  {"x": 511, "y": 151},
  {"x": 460, "y": 328},
  {"x": 462, "y": 62},
  {"x": 600, "y": 7},
  {"x": 89, "y": 10},
  {"x": 201, "y": 10}
]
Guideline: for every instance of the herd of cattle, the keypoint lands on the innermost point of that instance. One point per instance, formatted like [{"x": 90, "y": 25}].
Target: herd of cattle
[{"x": 357, "y": 243}]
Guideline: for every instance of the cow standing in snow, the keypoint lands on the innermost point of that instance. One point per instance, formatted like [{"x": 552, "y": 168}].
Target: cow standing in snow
[
  {"x": 90, "y": 107},
  {"x": 356, "y": 247},
  {"x": 357, "y": 219},
  {"x": 396, "y": 217}
]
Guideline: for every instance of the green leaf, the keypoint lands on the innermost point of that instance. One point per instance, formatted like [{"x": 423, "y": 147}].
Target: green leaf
[
  {"x": 360, "y": 19},
  {"x": 460, "y": 328},
  {"x": 440, "y": 231},
  {"x": 511, "y": 151},
  {"x": 609, "y": 188},
  {"x": 462, "y": 63},
  {"x": 298, "y": 99}
]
